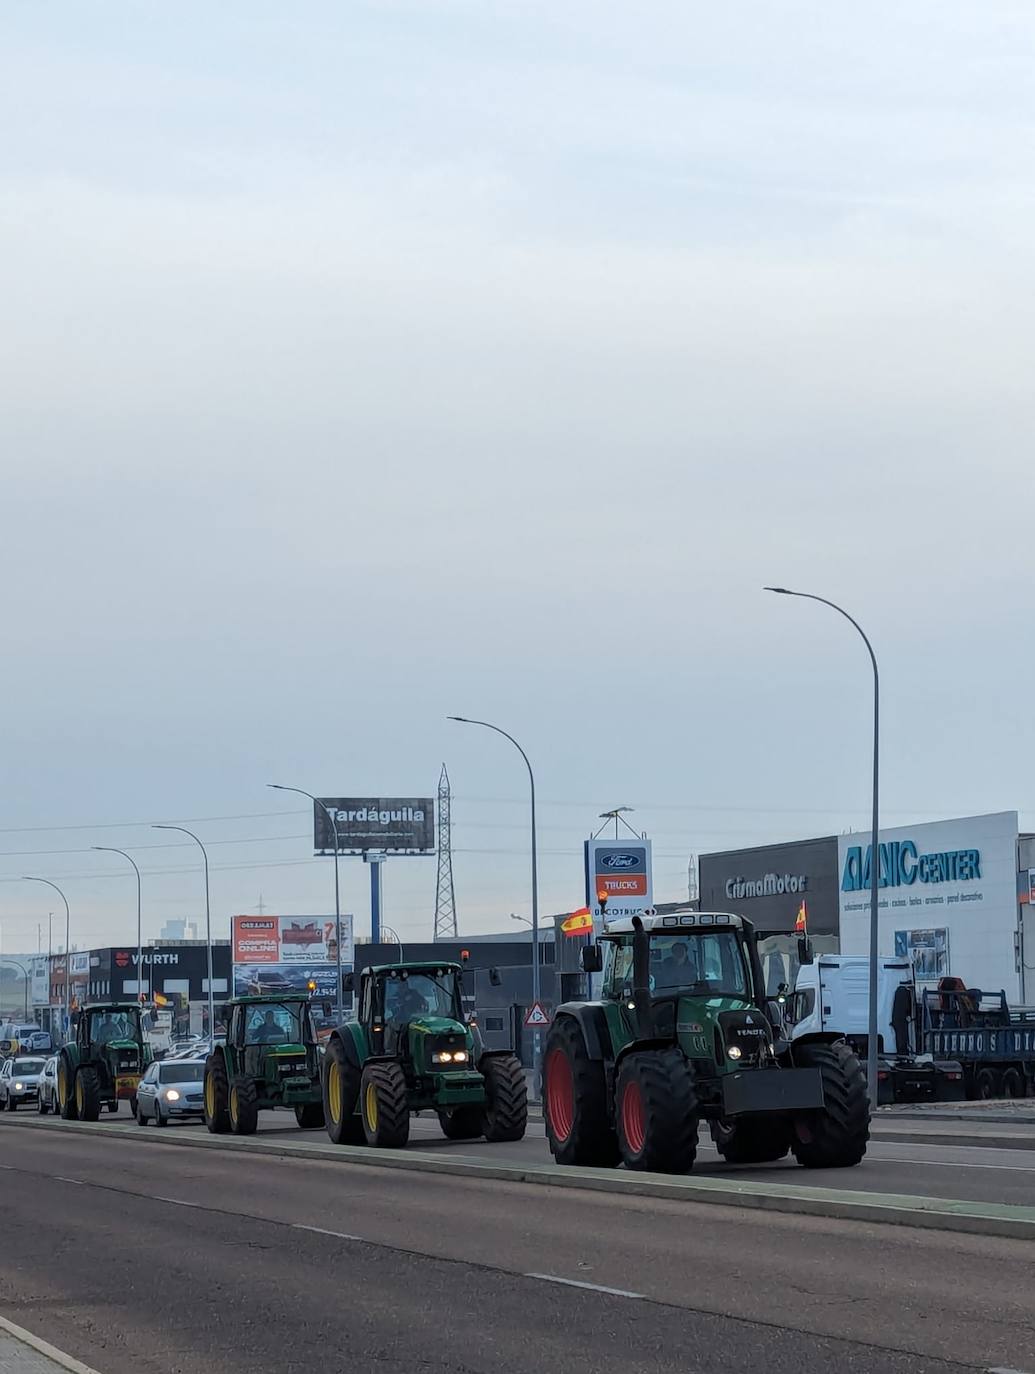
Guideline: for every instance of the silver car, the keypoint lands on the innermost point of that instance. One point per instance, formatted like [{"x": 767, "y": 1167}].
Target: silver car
[
  {"x": 171, "y": 1089},
  {"x": 19, "y": 1081},
  {"x": 47, "y": 1098}
]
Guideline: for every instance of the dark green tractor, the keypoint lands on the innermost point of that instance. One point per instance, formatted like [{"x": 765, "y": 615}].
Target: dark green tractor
[
  {"x": 270, "y": 1059},
  {"x": 412, "y": 1049},
  {"x": 103, "y": 1064},
  {"x": 684, "y": 1033}
]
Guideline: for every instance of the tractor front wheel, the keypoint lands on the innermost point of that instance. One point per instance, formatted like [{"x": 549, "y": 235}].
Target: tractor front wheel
[
  {"x": 309, "y": 1115},
  {"x": 243, "y": 1106},
  {"x": 752, "y": 1142},
  {"x": 384, "y": 1106},
  {"x": 66, "y": 1090},
  {"x": 217, "y": 1095},
  {"x": 506, "y": 1098},
  {"x": 575, "y": 1098},
  {"x": 834, "y": 1138},
  {"x": 87, "y": 1095},
  {"x": 341, "y": 1077},
  {"x": 460, "y": 1123},
  {"x": 656, "y": 1111}
]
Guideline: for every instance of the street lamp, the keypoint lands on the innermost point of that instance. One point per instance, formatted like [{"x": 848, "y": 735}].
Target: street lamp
[
  {"x": 208, "y": 930},
  {"x": 463, "y": 720},
  {"x": 387, "y": 930},
  {"x": 871, "y": 1038},
  {"x": 279, "y": 787},
  {"x": 107, "y": 849},
  {"x": 26, "y": 878}
]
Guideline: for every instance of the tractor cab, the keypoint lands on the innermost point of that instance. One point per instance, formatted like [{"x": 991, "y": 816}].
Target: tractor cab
[{"x": 415, "y": 1011}]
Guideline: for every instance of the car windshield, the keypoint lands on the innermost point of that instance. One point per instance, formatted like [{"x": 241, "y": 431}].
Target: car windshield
[
  {"x": 420, "y": 994},
  {"x": 28, "y": 1066},
  {"x": 112, "y": 1025},
  {"x": 278, "y": 1024},
  {"x": 181, "y": 1073}
]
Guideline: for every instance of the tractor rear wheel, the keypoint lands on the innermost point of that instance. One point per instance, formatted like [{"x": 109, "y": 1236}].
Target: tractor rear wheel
[
  {"x": 341, "y": 1075},
  {"x": 460, "y": 1123},
  {"x": 309, "y": 1115},
  {"x": 87, "y": 1095},
  {"x": 752, "y": 1142},
  {"x": 656, "y": 1112},
  {"x": 505, "y": 1114},
  {"x": 217, "y": 1095},
  {"x": 384, "y": 1105},
  {"x": 834, "y": 1138},
  {"x": 243, "y": 1106},
  {"x": 575, "y": 1100},
  {"x": 66, "y": 1090}
]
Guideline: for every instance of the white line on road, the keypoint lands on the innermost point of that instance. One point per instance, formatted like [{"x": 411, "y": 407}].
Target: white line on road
[
  {"x": 1002, "y": 1369},
  {"x": 319, "y": 1231},
  {"x": 958, "y": 1164},
  {"x": 593, "y": 1287},
  {"x": 176, "y": 1201},
  {"x": 60, "y": 1178}
]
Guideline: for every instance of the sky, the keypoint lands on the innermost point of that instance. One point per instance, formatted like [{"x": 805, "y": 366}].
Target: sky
[{"x": 369, "y": 363}]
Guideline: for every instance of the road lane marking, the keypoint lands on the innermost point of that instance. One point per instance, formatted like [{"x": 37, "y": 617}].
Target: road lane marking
[
  {"x": 60, "y": 1178},
  {"x": 320, "y": 1231},
  {"x": 177, "y": 1201},
  {"x": 959, "y": 1164},
  {"x": 593, "y": 1287},
  {"x": 1003, "y": 1369}
]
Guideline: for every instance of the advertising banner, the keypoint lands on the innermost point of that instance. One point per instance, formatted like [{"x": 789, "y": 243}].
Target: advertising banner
[
  {"x": 929, "y": 951},
  {"x": 399, "y": 825},
  {"x": 80, "y": 965},
  {"x": 289, "y": 940},
  {"x": 622, "y": 872},
  {"x": 40, "y": 985},
  {"x": 252, "y": 979}
]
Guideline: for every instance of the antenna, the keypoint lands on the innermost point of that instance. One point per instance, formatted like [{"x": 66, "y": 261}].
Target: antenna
[{"x": 445, "y": 895}]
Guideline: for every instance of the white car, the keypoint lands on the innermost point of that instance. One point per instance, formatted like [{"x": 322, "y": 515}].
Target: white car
[
  {"x": 171, "y": 1088},
  {"x": 46, "y": 1100},
  {"x": 24, "y": 1038},
  {"x": 19, "y": 1081}
]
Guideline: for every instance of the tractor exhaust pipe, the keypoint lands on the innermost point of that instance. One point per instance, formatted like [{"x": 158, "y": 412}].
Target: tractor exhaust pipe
[{"x": 641, "y": 981}]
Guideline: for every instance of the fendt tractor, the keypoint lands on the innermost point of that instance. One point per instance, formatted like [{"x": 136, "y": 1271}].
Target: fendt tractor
[
  {"x": 103, "y": 1064},
  {"x": 411, "y": 1049},
  {"x": 684, "y": 1032},
  {"x": 270, "y": 1059}
]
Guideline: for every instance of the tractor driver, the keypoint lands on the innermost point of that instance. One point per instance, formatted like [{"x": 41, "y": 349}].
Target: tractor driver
[
  {"x": 107, "y": 1030},
  {"x": 677, "y": 968},
  {"x": 268, "y": 1031}
]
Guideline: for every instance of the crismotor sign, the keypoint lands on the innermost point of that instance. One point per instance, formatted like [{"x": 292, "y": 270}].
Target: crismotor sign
[{"x": 622, "y": 873}]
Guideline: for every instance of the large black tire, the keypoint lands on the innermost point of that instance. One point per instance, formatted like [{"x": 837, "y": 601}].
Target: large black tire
[
  {"x": 66, "y": 1090},
  {"x": 309, "y": 1115},
  {"x": 656, "y": 1112},
  {"x": 42, "y": 1106},
  {"x": 758, "y": 1141},
  {"x": 1013, "y": 1084},
  {"x": 12, "y": 1105},
  {"x": 987, "y": 1085},
  {"x": 160, "y": 1120},
  {"x": 384, "y": 1106},
  {"x": 505, "y": 1115},
  {"x": 578, "y": 1126},
  {"x": 836, "y": 1137},
  {"x": 88, "y": 1094},
  {"x": 216, "y": 1095},
  {"x": 243, "y": 1106},
  {"x": 461, "y": 1123},
  {"x": 341, "y": 1076}
]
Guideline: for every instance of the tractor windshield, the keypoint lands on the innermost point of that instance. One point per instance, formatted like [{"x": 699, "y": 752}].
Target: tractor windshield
[
  {"x": 707, "y": 961},
  {"x": 421, "y": 994},
  {"x": 106, "y": 1026},
  {"x": 280, "y": 1023}
]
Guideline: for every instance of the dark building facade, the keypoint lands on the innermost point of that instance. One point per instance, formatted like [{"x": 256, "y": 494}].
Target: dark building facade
[{"x": 767, "y": 884}]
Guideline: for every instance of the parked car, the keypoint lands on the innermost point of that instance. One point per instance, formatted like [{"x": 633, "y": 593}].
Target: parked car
[
  {"x": 46, "y": 1100},
  {"x": 19, "y": 1081},
  {"x": 172, "y": 1088}
]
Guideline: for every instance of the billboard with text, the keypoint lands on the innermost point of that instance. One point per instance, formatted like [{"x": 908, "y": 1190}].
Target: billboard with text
[
  {"x": 398, "y": 825},
  {"x": 290, "y": 940}
]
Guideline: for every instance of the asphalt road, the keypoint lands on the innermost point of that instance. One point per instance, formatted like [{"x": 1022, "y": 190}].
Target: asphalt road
[
  {"x": 146, "y": 1257},
  {"x": 983, "y": 1174}
]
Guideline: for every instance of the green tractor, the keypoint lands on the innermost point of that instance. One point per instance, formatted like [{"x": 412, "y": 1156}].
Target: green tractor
[
  {"x": 103, "y": 1064},
  {"x": 684, "y": 1033},
  {"x": 270, "y": 1059},
  {"x": 411, "y": 1049}
]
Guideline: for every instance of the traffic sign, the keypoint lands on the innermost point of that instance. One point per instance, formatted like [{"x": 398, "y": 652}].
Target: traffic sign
[{"x": 536, "y": 1015}]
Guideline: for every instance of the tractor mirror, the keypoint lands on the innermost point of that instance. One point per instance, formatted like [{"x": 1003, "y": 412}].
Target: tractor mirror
[
  {"x": 494, "y": 977},
  {"x": 804, "y": 950},
  {"x": 348, "y": 983},
  {"x": 592, "y": 959}
]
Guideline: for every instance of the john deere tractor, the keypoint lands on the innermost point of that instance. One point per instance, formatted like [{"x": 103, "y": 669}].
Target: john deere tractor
[
  {"x": 684, "y": 1033},
  {"x": 270, "y": 1059},
  {"x": 103, "y": 1064},
  {"x": 411, "y": 1049}
]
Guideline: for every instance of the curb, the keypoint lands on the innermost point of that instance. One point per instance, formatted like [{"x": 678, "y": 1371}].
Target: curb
[
  {"x": 43, "y": 1347},
  {"x": 974, "y": 1142},
  {"x": 937, "y": 1214}
]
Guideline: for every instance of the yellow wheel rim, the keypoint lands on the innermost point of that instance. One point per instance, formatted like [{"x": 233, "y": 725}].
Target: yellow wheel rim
[
  {"x": 62, "y": 1084},
  {"x": 370, "y": 1106},
  {"x": 210, "y": 1096},
  {"x": 80, "y": 1095},
  {"x": 233, "y": 1105},
  {"x": 334, "y": 1092}
]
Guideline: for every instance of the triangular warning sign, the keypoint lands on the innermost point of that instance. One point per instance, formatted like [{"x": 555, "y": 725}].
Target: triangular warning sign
[{"x": 536, "y": 1016}]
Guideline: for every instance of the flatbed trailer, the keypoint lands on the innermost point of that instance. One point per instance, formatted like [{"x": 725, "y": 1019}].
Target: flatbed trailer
[{"x": 994, "y": 1045}]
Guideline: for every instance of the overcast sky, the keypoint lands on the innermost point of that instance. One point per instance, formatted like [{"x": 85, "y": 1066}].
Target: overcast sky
[{"x": 365, "y": 363}]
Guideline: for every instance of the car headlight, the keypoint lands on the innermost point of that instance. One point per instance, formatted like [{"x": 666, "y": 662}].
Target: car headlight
[
  {"x": 19, "y": 1087},
  {"x": 734, "y": 1051},
  {"x": 171, "y": 1095}
]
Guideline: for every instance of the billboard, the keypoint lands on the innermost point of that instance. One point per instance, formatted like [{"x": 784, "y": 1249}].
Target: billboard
[
  {"x": 253, "y": 979},
  {"x": 623, "y": 872},
  {"x": 398, "y": 825},
  {"x": 40, "y": 993},
  {"x": 928, "y": 950},
  {"x": 767, "y": 883},
  {"x": 299, "y": 940}
]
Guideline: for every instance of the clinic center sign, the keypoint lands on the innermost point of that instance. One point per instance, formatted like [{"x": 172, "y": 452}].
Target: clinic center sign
[{"x": 623, "y": 873}]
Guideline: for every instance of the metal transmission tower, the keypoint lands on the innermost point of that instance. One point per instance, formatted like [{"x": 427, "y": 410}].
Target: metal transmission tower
[{"x": 445, "y": 896}]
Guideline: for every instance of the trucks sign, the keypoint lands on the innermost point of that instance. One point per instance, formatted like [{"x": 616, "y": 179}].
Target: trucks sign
[{"x": 620, "y": 872}]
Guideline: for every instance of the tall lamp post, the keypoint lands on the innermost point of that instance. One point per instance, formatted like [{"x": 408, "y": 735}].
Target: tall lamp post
[
  {"x": 107, "y": 849},
  {"x": 208, "y": 930},
  {"x": 871, "y": 1037},
  {"x": 279, "y": 787},
  {"x": 26, "y": 878},
  {"x": 536, "y": 1043}
]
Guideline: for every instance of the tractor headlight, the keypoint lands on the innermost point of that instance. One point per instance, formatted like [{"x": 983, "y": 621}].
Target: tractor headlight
[
  {"x": 171, "y": 1095},
  {"x": 442, "y": 1057},
  {"x": 460, "y": 1057},
  {"x": 734, "y": 1051}
]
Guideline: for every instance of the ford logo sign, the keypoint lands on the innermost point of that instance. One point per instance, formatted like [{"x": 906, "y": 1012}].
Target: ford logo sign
[{"x": 619, "y": 860}]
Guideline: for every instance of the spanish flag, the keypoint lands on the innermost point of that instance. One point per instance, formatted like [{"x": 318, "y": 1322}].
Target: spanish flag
[
  {"x": 159, "y": 1000},
  {"x": 578, "y": 922},
  {"x": 801, "y": 925}
]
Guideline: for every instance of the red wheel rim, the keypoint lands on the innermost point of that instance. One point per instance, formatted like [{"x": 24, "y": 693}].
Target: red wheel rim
[
  {"x": 634, "y": 1118},
  {"x": 560, "y": 1094}
]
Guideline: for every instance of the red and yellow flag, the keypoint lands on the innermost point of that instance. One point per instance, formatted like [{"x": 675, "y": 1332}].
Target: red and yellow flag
[
  {"x": 801, "y": 924},
  {"x": 159, "y": 1000},
  {"x": 578, "y": 922}
]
